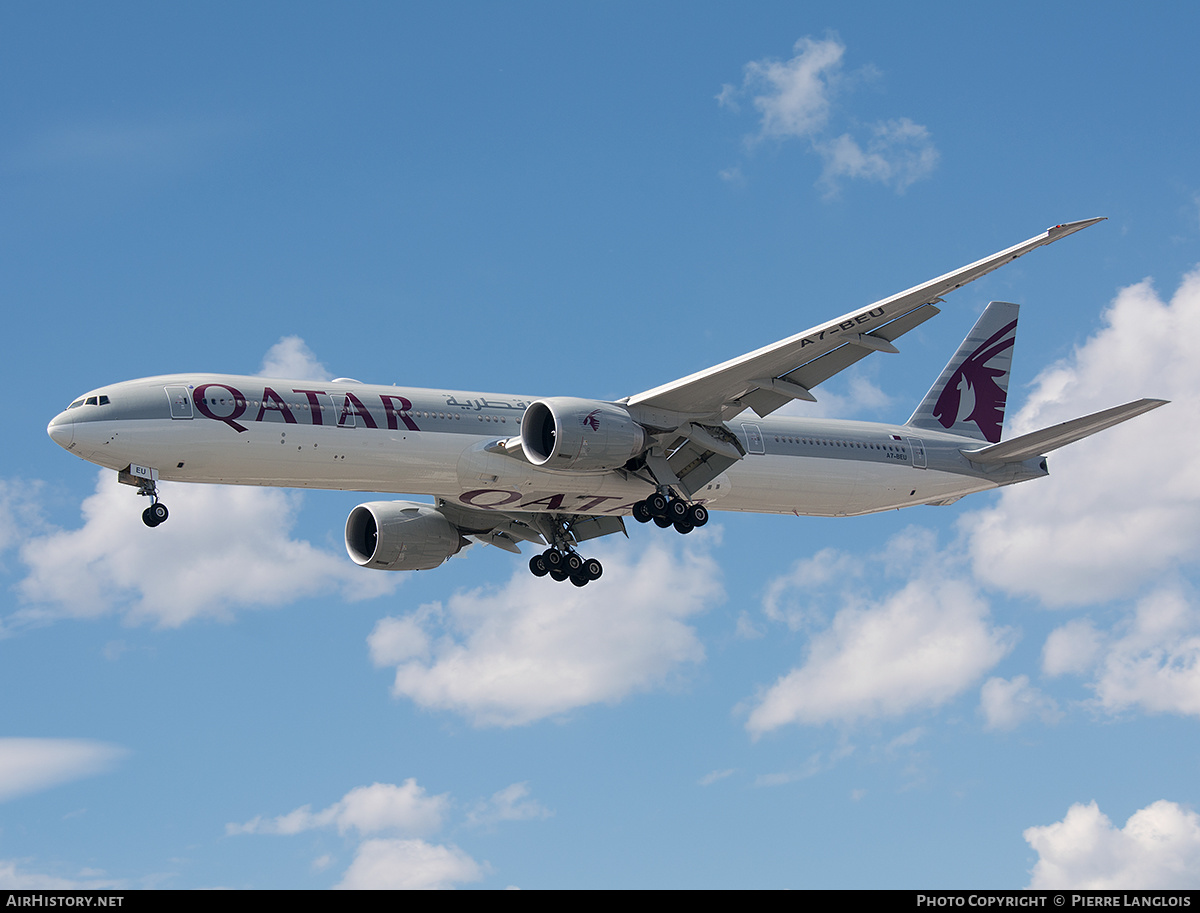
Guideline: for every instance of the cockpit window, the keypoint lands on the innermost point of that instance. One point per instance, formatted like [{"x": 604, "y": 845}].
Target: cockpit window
[{"x": 90, "y": 401}]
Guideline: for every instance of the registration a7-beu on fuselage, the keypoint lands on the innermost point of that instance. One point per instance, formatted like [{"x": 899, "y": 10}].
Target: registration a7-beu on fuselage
[{"x": 507, "y": 469}]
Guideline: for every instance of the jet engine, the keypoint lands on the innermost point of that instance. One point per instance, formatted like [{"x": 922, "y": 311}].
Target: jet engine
[
  {"x": 400, "y": 536},
  {"x": 566, "y": 434}
]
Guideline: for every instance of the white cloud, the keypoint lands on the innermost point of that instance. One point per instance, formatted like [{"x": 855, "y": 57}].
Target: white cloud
[
  {"x": 1155, "y": 663},
  {"x": 810, "y": 768},
  {"x": 715, "y": 776},
  {"x": 1006, "y": 703},
  {"x": 509, "y": 804},
  {"x": 898, "y": 154},
  {"x": 404, "y": 809},
  {"x": 293, "y": 359},
  {"x": 799, "y": 598},
  {"x": 862, "y": 398},
  {"x": 397, "y": 640},
  {"x": 30, "y": 765},
  {"x": 146, "y": 146},
  {"x": 916, "y": 647},
  {"x": 409, "y": 865},
  {"x": 732, "y": 175},
  {"x": 1071, "y": 648},
  {"x": 223, "y": 547},
  {"x": 1122, "y": 508},
  {"x": 1159, "y": 848},
  {"x": 20, "y": 512},
  {"x": 406, "y": 813},
  {"x": 795, "y": 100},
  {"x": 533, "y": 648},
  {"x": 795, "y": 94},
  {"x": 322, "y": 862},
  {"x": 815, "y": 764},
  {"x": 15, "y": 877}
]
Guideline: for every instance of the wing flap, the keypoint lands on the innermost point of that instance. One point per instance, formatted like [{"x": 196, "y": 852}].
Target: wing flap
[
  {"x": 505, "y": 530},
  {"x": 592, "y": 527},
  {"x": 1041, "y": 442},
  {"x": 695, "y": 466}
]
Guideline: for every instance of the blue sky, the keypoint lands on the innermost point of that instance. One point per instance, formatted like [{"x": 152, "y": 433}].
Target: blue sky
[{"x": 560, "y": 200}]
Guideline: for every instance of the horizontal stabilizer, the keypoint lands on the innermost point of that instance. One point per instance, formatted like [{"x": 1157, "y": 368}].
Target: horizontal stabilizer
[{"x": 1041, "y": 442}]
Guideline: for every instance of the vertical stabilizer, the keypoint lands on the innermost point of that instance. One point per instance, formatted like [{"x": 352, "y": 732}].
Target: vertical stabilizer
[{"x": 970, "y": 394}]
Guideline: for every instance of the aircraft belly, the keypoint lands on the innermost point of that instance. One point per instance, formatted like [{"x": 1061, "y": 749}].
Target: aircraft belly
[
  {"x": 809, "y": 486},
  {"x": 292, "y": 455},
  {"x": 890, "y": 488},
  {"x": 772, "y": 483}
]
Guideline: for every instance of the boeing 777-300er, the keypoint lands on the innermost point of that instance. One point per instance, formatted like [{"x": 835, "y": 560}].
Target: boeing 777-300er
[{"x": 558, "y": 471}]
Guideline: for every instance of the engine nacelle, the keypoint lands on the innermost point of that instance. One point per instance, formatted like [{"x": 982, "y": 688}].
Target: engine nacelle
[
  {"x": 566, "y": 434},
  {"x": 400, "y": 536}
]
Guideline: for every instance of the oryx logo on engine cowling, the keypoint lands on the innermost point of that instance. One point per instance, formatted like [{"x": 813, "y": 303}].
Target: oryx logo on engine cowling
[{"x": 591, "y": 420}]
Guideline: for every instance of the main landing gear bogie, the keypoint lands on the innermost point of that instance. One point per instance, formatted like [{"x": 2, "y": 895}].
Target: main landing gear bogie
[
  {"x": 566, "y": 565},
  {"x": 671, "y": 511}
]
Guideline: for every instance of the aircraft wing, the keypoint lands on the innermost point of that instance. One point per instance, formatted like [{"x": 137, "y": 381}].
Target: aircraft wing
[
  {"x": 505, "y": 531},
  {"x": 767, "y": 378}
]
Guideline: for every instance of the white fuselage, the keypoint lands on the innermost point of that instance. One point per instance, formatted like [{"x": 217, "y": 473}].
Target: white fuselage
[{"x": 346, "y": 435}]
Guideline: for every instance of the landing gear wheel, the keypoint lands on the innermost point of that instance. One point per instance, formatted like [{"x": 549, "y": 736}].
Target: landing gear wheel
[
  {"x": 682, "y": 526},
  {"x": 641, "y": 512},
  {"x": 662, "y": 522},
  {"x": 558, "y": 574},
  {"x": 593, "y": 569},
  {"x": 677, "y": 511},
  {"x": 657, "y": 505},
  {"x": 578, "y": 580},
  {"x": 573, "y": 564},
  {"x": 537, "y": 566},
  {"x": 697, "y": 515},
  {"x": 553, "y": 558},
  {"x": 158, "y": 510},
  {"x": 148, "y": 518}
]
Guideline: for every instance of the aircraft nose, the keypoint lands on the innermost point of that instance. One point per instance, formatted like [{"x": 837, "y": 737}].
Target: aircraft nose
[{"x": 61, "y": 430}]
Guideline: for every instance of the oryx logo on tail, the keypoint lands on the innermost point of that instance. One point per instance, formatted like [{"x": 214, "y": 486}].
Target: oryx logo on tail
[
  {"x": 973, "y": 395},
  {"x": 970, "y": 395}
]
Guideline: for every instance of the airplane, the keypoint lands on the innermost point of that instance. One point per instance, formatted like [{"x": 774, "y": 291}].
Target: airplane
[{"x": 557, "y": 471}]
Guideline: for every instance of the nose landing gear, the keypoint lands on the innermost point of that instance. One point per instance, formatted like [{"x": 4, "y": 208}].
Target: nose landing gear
[
  {"x": 146, "y": 480},
  {"x": 155, "y": 514}
]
